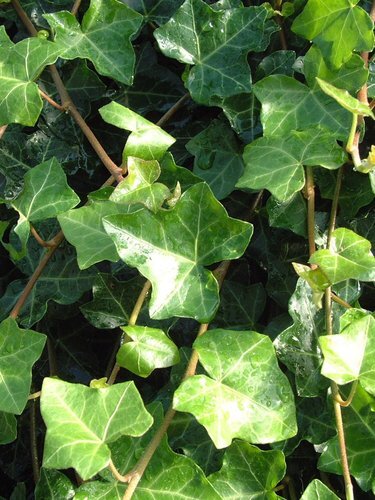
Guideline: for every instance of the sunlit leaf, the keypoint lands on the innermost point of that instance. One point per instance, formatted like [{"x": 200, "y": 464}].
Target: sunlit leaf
[
  {"x": 104, "y": 37},
  {"x": 345, "y": 99},
  {"x": 81, "y": 421},
  {"x": 19, "y": 349},
  {"x": 247, "y": 397},
  {"x": 171, "y": 248}
]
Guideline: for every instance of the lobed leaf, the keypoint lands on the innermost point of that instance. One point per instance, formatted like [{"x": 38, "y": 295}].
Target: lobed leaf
[{"x": 317, "y": 490}]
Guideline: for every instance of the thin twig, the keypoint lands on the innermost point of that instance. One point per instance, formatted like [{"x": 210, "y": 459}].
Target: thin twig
[
  {"x": 310, "y": 195},
  {"x": 50, "y": 100},
  {"x": 2, "y": 130},
  {"x": 348, "y": 401},
  {"x": 76, "y": 7},
  {"x": 168, "y": 115},
  {"x": 34, "y": 395},
  {"x": 34, "y": 442},
  {"x": 340, "y": 301},
  {"x": 38, "y": 238}
]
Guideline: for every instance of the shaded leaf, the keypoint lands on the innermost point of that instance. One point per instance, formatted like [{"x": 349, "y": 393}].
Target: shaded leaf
[
  {"x": 82, "y": 421},
  {"x": 148, "y": 349},
  {"x": 104, "y": 37},
  {"x": 155, "y": 10},
  {"x": 19, "y": 350},
  {"x": 291, "y": 214},
  {"x": 248, "y": 472},
  {"x": 14, "y": 163},
  {"x": 276, "y": 163},
  {"x": 8, "y": 428},
  {"x": 317, "y": 490},
  {"x": 171, "y": 248},
  {"x": 348, "y": 258},
  {"x": 247, "y": 397},
  {"x": 279, "y": 62},
  {"x": 53, "y": 485},
  {"x": 217, "y": 44}
]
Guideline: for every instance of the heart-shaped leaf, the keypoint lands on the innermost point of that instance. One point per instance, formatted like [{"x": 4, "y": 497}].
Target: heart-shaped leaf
[{"x": 248, "y": 396}]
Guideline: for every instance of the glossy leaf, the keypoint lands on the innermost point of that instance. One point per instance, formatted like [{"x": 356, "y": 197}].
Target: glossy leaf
[
  {"x": 289, "y": 105},
  {"x": 200, "y": 36},
  {"x": 349, "y": 356},
  {"x": 82, "y": 421},
  {"x": 147, "y": 141},
  {"x": 19, "y": 350},
  {"x": 317, "y": 490},
  {"x": 359, "y": 425},
  {"x": 8, "y": 428},
  {"x": 247, "y": 397},
  {"x": 21, "y": 64},
  {"x": 53, "y": 485},
  {"x": 104, "y": 37},
  {"x": 326, "y": 25},
  {"x": 171, "y": 248},
  {"x": 155, "y": 10},
  {"x": 345, "y": 99},
  {"x": 297, "y": 346},
  {"x": 218, "y": 158},
  {"x": 148, "y": 349},
  {"x": 249, "y": 472},
  {"x": 348, "y": 258},
  {"x": 291, "y": 214},
  {"x": 276, "y": 163}
]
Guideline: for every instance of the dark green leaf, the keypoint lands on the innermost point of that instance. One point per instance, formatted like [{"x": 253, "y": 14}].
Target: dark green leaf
[
  {"x": 8, "y": 428},
  {"x": 53, "y": 485},
  {"x": 155, "y": 10},
  {"x": 291, "y": 214}
]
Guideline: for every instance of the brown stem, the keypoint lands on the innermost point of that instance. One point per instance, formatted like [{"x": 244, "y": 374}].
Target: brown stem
[
  {"x": 51, "y": 101},
  {"x": 34, "y": 395},
  {"x": 340, "y": 301},
  {"x": 310, "y": 195},
  {"x": 33, "y": 442},
  {"x": 2, "y": 130},
  {"x": 38, "y": 238},
  {"x": 76, "y": 7},
  {"x": 168, "y": 115},
  {"x": 24, "y": 18},
  {"x": 348, "y": 401}
]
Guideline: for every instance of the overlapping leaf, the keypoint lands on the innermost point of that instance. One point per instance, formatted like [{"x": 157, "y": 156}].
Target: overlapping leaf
[
  {"x": 8, "y": 427},
  {"x": 276, "y": 163},
  {"x": 53, "y": 485},
  {"x": 104, "y": 37},
  {"x": 291, "y": 214},
  {"x": 81, "y": 421},
  {"x": 148, "y": 349},
  {"x": 147, "y": 140},
  {"x": 249, "y": 472},
  {"x": 216, "y": 42},
  {"x": 345, "y": 100},
  {"x": 155, "y": 10},
  {"x": 326, "y": 24},
  {"x": 317, "y": 490},
  {"x": 247, "y": 397},
  {"x": 172, "y": 247},
  {"x": 349, "y": 257},
  {"x": 350, "y": 355},
  {"x": 21, "y": 64},
  {"x": 19, "y": 349}
]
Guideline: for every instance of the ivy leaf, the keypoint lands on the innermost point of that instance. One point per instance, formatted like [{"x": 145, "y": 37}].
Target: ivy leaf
[
  {"x": 53, "y": 485},
  {"x": 8, "y": 427},
  {"x": 150, "y": 348},
  {"x": 81, "y": 421},
  {"x": 291, "y": 214},
  {"x": 249, "y": 472},
  {"x": 359, "y": 425},
  {"x": 19, "y": 349},
  {"x": 349, "y": 356},
  {"x": 21, "y": 64},
  {"x": 139, "y": 186},
  {"x": 276, "y": 163},
  {"x": 345, "y": 99},
  {"x": 290, "y": 105},
  {"x": 155, "y": 10},
  {"x": 297, "y": 346},
  {"x": 217, "y": 44},
  {"x": 348, "y": 258},
  {"x": 317, "y": 490},
  {"x": 46, "y": 193},
  {"x": 247, "y": 397},
  {"x": 104, "y": 37},
  {"x": 171, "y": 247},
  {"x": 326, "y": 25},
  {"x": 147, "y": 141},
  {"x": 218, "y": 158}
]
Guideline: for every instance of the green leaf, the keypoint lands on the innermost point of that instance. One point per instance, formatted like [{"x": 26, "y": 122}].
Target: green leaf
[
  {"x": 46, "y": 194},
  {"x": 8, "y": 428},
  {"x": 14, "y": 163},
  {"x": 350, "y": 355},
  {"x": 171, "y": 248},
  {"x": 81, "y": 421},
  {"x": 317, "y": 490},
  {"x": 139, "y": 186},
  {"x": 345, "y": 99},
  {"x": 147, "y": 141},
  {"x": 155, "y": 10},
  {"x": 247, "y": 397},
  {"x": 349, "y": 257},
  {"x": 100, "y": 491},
  {"x": 290, "y": 105},
  {"x": 249, "y": 472},
  {"x": 297, "y": 346},
  {"x": 291, "y": 214},
  {"x": 276, "y": 163},
  {"x": 113, "y": 301},
  {"x": 21, "y": 64},
  {"x": 150, "y": 348},
  {"x": 218, "y": 158},
  {"x": 359, "y": 425},
  {"x": 19, "y": 350},
  {"x": 104, "y": 37},
  {"x": 326, "y": 24},
  {"x": 217, "y": 44},
  {"x": 53, "y": 485},
  {"x": 279, "y": 62}
]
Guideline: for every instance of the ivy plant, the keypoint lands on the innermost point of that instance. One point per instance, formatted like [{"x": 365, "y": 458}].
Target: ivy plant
[{"x": 186, "y": 221}]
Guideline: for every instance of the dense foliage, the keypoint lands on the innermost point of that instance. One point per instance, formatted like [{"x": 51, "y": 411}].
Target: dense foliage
[{"x": 197, "y": 325}]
